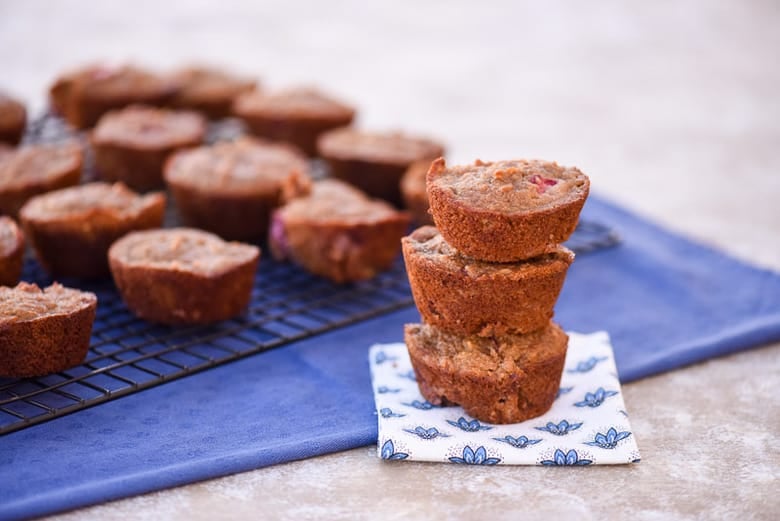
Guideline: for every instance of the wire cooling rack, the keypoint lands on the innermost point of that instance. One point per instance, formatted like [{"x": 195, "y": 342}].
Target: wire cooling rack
[{"x": 128, "y": 355}]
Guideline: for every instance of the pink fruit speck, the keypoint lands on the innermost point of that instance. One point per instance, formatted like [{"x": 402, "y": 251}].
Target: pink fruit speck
[{"x": 542, "y": 182}]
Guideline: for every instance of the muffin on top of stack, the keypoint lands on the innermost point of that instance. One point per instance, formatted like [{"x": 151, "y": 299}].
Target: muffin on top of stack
[{"x": 485, "y": 281}]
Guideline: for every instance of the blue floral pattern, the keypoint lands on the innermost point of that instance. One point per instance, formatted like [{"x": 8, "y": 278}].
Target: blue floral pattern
[
  {"x": 587, "y": 365},
  {"x": 469, "y": 426},
  {"x": 409, "y": 375},
  {"x": 388, "y": 451},
  {"x": 474, "y": 457},
  {"x": 587, "y": 424},
  {"x": 595, "y": 399},
  {"x": 427, "y": 434},
  {"x": 608, "y": 440},
  {"x": 422, "y": 405},
  {"x": 381, "y": 357},
  {"x": 387, "y": 412},
  {"x": 520, "y": 442},
  {"x": 561, "y": 459},
  {"x": 560, "y": 429}
]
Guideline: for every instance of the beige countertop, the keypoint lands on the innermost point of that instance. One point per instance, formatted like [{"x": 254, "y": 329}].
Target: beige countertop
[{"x": 672, "y": 108}]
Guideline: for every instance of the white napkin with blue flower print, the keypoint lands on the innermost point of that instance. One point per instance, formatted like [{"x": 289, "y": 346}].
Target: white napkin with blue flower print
[{"x": 587, "y": 425}]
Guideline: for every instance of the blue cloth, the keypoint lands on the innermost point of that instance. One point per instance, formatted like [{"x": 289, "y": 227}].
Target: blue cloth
[{"x": 665, "y": 301}]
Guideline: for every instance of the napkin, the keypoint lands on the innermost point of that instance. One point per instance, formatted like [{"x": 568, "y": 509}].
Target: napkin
[{"x": 587, "y": 424}]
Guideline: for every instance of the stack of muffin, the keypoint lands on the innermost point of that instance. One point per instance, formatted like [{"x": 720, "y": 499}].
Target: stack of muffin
[{"x": 485, "y": 281}]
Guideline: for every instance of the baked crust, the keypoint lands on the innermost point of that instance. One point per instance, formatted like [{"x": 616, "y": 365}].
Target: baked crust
[
  {"x": 82, "y": 96},
  {"x": 338, "y": 232},
  {"x": 11, "y": 252},
  {"x": 375, "y": 162},
  {"x": 131, "y": 145},
  {"x": 72, "y": 229},
  {"x": 13, "y": 119},
  {"x": 470, "y": 297},
  {"x": 500, "y": 379},
  {"x": 32, "y": 170},
  {"x": 209, "y": 91},
  {"x": 414, "y": 193},
  {"x": 44, "y": 331},
  {"x": 232, "y": 188},
  {"x": 182, "y": 275},
  {"x": 297, "y": 116},
  {"x": 506, "y": 211}
]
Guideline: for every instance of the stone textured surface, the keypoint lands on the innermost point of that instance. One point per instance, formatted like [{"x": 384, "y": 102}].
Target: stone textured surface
[{"x": 672, "y": 108}]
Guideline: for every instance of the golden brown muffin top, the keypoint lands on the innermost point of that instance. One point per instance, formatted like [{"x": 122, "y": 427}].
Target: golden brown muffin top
[
  {"x": 333, "y": 201},
  {"x": 508, "y": 186},
  {"x": 29, "y": 302},
  {"x": 150, "y": 128},
  {"x": 294, "y": 103},
  {"x": 109, "y": 80},
  {"x": 393, "y": 148},
  {"x": 243, "y": 166},
  {"x": 181, "y": 249},
  {"x": 10, "y": 236},
  {"x": 12, "y": 111},
  {"x": 199, "y": 83},
  {"x": 35, "y": 163},
  {"x": 428, "y": 242},
  {"x": 88, "y": 199}
]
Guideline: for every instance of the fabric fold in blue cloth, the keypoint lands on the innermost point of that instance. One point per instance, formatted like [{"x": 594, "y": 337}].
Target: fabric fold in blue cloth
[{"x": 665, "y": 301}]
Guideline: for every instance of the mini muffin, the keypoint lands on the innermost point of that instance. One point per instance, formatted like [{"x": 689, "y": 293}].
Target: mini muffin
[
  {"x": 209, "y": 91},
  {"x": 72, "y": 229},
  {"x": 297, "y": 116},
  {"x": 508, "y": 210},
  {"x": 13, "y": 119},
  {"x": 500, "y": 379},
  {"x": 375, "y": 162},
  {"x": 470, "y": 297},
  {"x": 11, "y": 252},
  {"x": 132, "y": 144},
  {"x": 43, "y": 331},
  {"x": 338, "y": 232},
  {"x": 231, "y": 188},
  {"x": 182, "y": 275},
  {"x": 414, "y": 193},
  {"x": 36, "y": 169},
  {"x": 83, "y": 96}
]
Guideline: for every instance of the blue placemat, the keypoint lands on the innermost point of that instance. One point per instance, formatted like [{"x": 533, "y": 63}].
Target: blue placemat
[{"x": 665, "y": 301}]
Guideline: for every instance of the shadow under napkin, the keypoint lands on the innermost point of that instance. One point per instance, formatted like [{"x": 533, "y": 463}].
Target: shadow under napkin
[{"x": 665, "y": 301}]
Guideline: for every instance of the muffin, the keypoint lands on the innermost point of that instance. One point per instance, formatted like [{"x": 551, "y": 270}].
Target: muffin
[
  {"x": 71, "y": 229},
  {"x": 13, "y": 119},
  {"x": 470, "y": 297},
  {"x": 414, "y": 193},
  {"x": 11, "y": 252},
  {"x": 43, "y": 331},
  {"x": 208, "y": 91},
  {"x": 132, "y": 144},
  {"x": 297, "y": 116},
  {"x": 500, "y": 379},
  {"x": 182, "y": 275},
  {"x": 375, "y": 162},
  {"x": 231, "y": 188},
  {"x": 506, "y": 211},
  {"x": 84, "y": 95},
  {"x": 338, "y": 232},
  {"x": 36, "y": 169}
]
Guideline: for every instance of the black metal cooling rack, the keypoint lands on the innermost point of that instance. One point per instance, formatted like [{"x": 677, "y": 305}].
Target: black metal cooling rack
[{"x": 128, "y": 354}]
